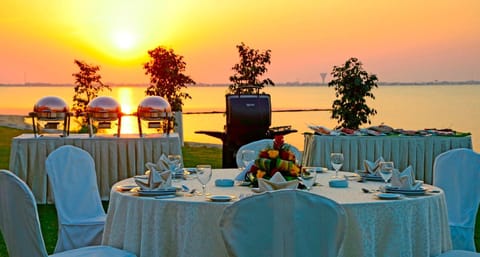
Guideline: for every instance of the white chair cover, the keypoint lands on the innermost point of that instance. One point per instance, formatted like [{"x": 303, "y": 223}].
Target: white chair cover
[
  {"x": 459, "y": 253},
  {"x": 457, "y": 172},
  {"x": 259, "y": 145},
  {"x": 20, "y": 225},
  {"x": 81, "y": 217},
  {"x": 283, "y": 223}
]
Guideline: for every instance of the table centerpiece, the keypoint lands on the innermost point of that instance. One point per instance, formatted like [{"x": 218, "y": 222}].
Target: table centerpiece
[{"x": 278, "y": 158}]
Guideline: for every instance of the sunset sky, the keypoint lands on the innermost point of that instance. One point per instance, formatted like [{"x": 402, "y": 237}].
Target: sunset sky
[{"x": 398, "y": 40}]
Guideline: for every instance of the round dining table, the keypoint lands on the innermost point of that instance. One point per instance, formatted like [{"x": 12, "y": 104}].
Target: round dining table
[{"x": 187, "y": 225}]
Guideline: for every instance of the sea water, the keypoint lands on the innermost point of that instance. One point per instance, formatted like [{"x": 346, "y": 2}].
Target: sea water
[{"x": 410, "y": 107}]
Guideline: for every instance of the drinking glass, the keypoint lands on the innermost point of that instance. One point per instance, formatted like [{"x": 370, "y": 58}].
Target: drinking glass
[
  {"x": 204, "y": 174},
  {"x": 336, "y": 159},
  {"x": 174, "y": 163},
  {"x": 386, "y": 171},
  {"x": 247, "y": 156},
  {"x": 308, "y": 175}
]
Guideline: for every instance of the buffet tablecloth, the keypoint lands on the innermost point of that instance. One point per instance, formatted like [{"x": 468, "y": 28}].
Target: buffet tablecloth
[
  {"x": 116, "y": 158},
  {"x": 418, "y": 151},
  {"x": 188, "y": 225}
]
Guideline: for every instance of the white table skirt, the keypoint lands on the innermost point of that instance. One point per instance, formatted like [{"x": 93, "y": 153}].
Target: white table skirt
[
  {"x": 418, "y": 151},
  {"x": 188, "y": 226},
  {"x": 115, "y": 158}
]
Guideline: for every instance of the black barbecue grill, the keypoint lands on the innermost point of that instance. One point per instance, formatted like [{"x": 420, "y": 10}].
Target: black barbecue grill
[{"x": 248, "y": 118}]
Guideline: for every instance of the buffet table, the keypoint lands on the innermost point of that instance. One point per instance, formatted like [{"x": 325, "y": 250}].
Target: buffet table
[
  {"x": 116, "y": 158},
  {"x": 188, "y": 225},
  {"x": 418, "y": 151}
]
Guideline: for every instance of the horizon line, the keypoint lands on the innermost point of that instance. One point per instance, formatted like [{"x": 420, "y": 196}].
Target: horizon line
[{"x": 435, "y": 82}]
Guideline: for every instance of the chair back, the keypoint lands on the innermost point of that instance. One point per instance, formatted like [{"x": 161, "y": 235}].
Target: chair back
[
  {"x": 19, "y": 222},
  {"x": 283, "y": 223},
  {"x": 457, "y": 172},
  {"x": 71, "y": 172},
  {"x": 259, "y": 145}
]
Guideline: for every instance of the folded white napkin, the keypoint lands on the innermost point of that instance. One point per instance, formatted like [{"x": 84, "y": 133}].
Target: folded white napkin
[
  {"x": 241, "y": 175},
  {"x": 405, "y": 180},
  {"x": 373, "y": 167},
  {"x": 162, "y": 164},
  {"x": 275, "y": 183},
  {"x": 155, "y": 181}
]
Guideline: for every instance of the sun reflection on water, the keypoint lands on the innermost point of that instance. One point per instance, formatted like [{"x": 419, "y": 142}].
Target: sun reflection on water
[{"x": 129, "y": 121}]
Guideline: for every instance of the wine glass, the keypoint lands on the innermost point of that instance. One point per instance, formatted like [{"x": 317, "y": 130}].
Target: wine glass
[
  {"x": 246, "y": 156},
  {"x": 308, "y": 175},
  {"x": 204, "y": 174},
  {"x": 336, "y": 159},
  {"x": 174, "y": 163},
  {"x": 386, "y": 171}
]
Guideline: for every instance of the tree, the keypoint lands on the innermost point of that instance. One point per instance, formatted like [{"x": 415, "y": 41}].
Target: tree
[
  {"x": 87, "y": 86},
  {"x": 253, "y": 64},
  {"x": 352, "y": 84},
  {"x": 166, "y": 77}
]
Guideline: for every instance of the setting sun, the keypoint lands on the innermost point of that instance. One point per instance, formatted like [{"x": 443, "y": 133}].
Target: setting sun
[{"x": 124, "y": 40}]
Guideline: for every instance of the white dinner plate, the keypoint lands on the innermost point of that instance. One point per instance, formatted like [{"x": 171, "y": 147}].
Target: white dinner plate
[
  {"x": 420, "y": 191},
  {"x": 220, "y": 198},
  {"x": 388, "y": 196},
  {"x": 169, "y": 191}
]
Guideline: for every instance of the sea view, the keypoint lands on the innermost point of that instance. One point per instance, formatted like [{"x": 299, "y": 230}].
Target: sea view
[{"x": 411, "y": 107}]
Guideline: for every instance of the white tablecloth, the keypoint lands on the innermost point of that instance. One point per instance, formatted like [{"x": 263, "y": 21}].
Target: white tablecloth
[
  {"x": 115, "y": 158},
  {"x": 188, "y": 226},
  {"x": 418, "y": 151}
]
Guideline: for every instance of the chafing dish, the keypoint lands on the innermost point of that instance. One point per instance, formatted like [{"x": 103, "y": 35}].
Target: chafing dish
[
  {"x": 103, "y": 110},
  {"x": 156, "y": 111},
  {"x": 48, "y": 114}
]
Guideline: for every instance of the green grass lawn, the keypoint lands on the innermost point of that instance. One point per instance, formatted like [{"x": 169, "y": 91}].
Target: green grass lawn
[{"x": 192, "y": 155}]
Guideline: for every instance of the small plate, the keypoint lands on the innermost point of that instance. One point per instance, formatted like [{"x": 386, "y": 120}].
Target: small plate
[
  {"x": 369, "y": 176},
  {"x": 242, "y": 183},
  {"x": 388, "y": 196},
  {"x": 219, "y": 198},
  {"x": 125, "y": 187},
  {"x": 352, "y": 176},
  {"x": 319, "y": 169}
]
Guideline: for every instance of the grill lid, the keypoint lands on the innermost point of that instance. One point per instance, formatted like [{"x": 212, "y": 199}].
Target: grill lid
[
  {"x": 248, "y": 111},
  {"x": 50, "y": 107},
  {"x": 154, "y": 108}
]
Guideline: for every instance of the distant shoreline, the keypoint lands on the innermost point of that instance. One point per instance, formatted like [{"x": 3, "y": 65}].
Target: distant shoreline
[
  {"x": 14, "y": 121},
  {"x": 286, "y": 84}
]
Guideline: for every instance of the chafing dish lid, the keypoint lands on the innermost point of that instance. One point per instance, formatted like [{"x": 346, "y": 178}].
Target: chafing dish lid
[
  {"x": 52, "y": 104},
  {"x": 103, "y": 104},
  {"x": 153, "y": 104}
]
